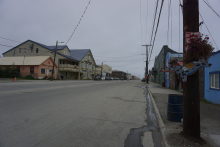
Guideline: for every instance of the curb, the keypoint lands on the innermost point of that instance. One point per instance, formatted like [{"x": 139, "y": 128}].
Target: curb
[{"x": 159, "y": 120}]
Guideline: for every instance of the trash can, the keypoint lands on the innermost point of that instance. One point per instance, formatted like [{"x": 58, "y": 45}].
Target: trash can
[
  {"x": 175, "y": 107},
  {"x": 61, "y": 77}
]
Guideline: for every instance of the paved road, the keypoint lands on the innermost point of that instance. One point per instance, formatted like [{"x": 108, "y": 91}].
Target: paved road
[{"x": 74, "y": 113}]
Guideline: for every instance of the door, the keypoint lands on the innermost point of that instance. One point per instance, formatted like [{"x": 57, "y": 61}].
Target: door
[{"x": 48, "y": 70}]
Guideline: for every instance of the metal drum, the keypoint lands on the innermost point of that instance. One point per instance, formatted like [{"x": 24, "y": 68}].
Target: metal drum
[{"x": 175, "y": 107}]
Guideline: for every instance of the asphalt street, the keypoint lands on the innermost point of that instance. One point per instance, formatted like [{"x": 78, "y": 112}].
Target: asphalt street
[{"x": 75, "y": 113}]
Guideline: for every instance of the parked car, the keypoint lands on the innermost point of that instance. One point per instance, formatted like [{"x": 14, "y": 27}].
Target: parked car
[
  {"x": 111, "y": 78},
  {"x": 108, "y": 78},
  {"x": 143, "y": 80},
  {"x": 116, "y": 78},
  {"x": 121, "y": 79},
  {"x": 97, "y": 78},
  {"x": 102, "y": 78}
]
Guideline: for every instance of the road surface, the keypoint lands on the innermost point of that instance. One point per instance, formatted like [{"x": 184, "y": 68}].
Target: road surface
[{"x": 76, "y": 113}]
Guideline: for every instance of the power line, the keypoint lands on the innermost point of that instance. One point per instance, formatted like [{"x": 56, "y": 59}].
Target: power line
[
  {"x": 169, "y": 3},
  {"x": 154, "y": 21},
  {"x": 171, "y": 26},
  {"x": 121, "y": 61},
  {"x": 119, "y": 57},
  {"x": 146, "y": 25},
  {"x": 10, "y": 39},
  {"x": 140, "y": 22},
  {"x": 179, "y": 24},
  {"x": 128, "y": 64},
  {"x": 157, "y": 26},
  {"x": 5, "y": 45},
  {"x": 211, "y": 8},
  {"x": 78, "y": 22},
  {"x": 208, "y": 30}
]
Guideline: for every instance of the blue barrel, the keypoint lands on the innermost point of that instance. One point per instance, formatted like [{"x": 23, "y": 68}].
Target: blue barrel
[{"x": 175, "y": 107}]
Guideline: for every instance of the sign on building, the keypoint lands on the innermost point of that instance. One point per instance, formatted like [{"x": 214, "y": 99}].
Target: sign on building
[{"x": 104, "y": 74}]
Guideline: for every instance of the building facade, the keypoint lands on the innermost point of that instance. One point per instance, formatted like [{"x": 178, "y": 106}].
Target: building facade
[
  {"x": 119, "y": 74},
  {"x": 37, "y": 66},
  {"x": 159, "y": 63},
  {"x": 169, "y": 57},
  {"x": 106, "y": 69},
  {"x": 211, "y": 79},
  {"x": 72, "y": 64}
]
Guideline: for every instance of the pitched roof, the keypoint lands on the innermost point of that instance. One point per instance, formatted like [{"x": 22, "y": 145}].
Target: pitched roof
[
  {"x": 51, "y": 48},
  {"x": 79, "y": 54},
  {"x": 29, "y": 60}
]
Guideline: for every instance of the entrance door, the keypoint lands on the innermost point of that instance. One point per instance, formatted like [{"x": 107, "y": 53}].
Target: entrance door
[{"x": 48, "y": 70}]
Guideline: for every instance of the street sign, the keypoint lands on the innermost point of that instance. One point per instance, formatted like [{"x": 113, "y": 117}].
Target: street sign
[
  {"x": 191, "y": 35},
  {"x": 104, "y": 74}
]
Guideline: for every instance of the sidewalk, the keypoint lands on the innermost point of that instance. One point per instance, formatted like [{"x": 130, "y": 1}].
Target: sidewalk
[{"x": 209, "y": 115}]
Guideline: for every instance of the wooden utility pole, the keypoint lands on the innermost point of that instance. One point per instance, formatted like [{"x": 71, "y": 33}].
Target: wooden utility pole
[
  {"x": 146, "y": 73},
  {"x": 101, "y": 69},
  {"x": 191, "y": 98},
  {"x": 54, "y": 61}
]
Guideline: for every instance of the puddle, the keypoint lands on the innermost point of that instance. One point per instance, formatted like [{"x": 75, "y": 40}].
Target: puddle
[{"x": 134, "y": 137}]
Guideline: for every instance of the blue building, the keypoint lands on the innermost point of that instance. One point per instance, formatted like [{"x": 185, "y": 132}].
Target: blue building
[
  {"x": 171, "y": 56},
  {"x": 211, "y": 79}
]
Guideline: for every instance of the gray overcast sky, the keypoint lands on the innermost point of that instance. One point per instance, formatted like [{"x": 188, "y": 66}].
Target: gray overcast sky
[{"x": 109, "y": 28}]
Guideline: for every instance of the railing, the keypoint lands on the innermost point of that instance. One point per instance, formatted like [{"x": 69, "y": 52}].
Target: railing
[{"x": 68, "y": 66}]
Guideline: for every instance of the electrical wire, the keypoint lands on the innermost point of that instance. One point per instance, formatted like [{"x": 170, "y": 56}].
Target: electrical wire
[
  {"x": 157, "y": 27},
  {"x": 78, "y": 22},
  {"x": 208, "y": 31},
  {"x": 171, "y": 25},
  {"x": 5, "y": 45},
  {"x": 128, "y": 64},
  {"x": 168, "y": 22},
  {"x": 211, "y": 8},
  {"x": 10, "y": 39},
  {"x": 119, "y": 57},
  {"x": 154, "y": 21},
  {"x": 179, "y": 24},
  {"x": 146, "y": 24},
  {"x": 140, "y": 22}
]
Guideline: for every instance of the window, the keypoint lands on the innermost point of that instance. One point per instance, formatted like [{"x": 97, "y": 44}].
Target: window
[
  {"x": 65, "y": 52},
  {"x": 60, "y": 61},
  {"x": 32, "y": 70},
  {"x": 31, "y": 50},
  {"x": 63, "y": 61},
  {"x": 85, "y": 74},
  {"x": 86, "y": 65},
  {"x": 36, "y": 50},
  {"x": 18, "y": 69},
  {"x": 66, "y": 73},
  {"x": 19, "y": 50},
  {"x": 25, "y": 50},
  {"x": 214, "y": 79},
  {"x": 89, "y": 58},
  {"x": 42, "y": 71},
  {"x": 82, "y": 64}
]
